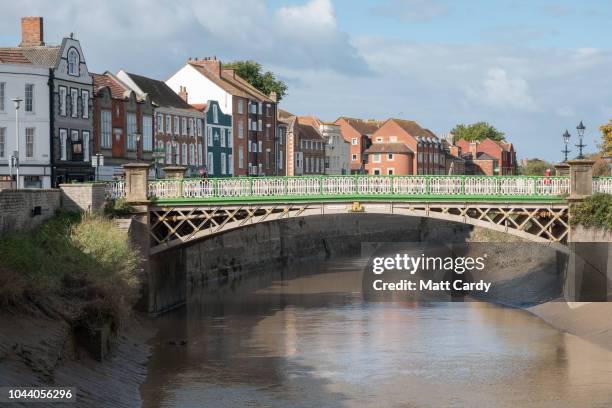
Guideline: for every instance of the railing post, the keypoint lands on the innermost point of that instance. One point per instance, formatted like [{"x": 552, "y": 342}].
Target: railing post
[
  {"x": 136, "y": 183},
  {"x": 562, "y": 169},
  {"x": 581, "y": 179},
  {"x": 463, "y": 185}
]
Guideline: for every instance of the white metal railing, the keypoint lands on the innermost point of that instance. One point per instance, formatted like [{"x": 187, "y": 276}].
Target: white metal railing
[
  {"x": 115, "y": 189},
  {"x": 602, "y": 185}
]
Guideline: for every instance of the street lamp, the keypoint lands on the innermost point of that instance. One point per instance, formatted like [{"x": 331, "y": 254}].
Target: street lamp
[
  {"x": 580, "y": 128},
  {"x": 566, "y": 139},
  {"x": 137, "y": 136},
  {"x": 15, "y": 158}
]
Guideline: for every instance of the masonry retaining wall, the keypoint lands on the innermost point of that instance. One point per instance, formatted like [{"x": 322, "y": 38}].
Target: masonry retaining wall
[
  {"x": 23, "y": 210},
  {"x": 83, "y": 197}
]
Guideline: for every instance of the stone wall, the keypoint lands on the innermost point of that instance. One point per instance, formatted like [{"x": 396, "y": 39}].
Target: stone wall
[
  {"x": 23, "y": 210},
  {"x": 589, "y": 276},
  {"x": 83, "y": 197}
]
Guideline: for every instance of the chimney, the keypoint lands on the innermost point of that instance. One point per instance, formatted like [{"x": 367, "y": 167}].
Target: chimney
[
  {"x": 212, "y": 65},
  {"x": 31, "y": 32},
  {"x": 473, "y": 149},
  {"x": 183, "y": 93}
]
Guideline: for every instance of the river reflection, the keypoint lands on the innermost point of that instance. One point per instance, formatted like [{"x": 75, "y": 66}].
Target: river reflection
[{"x": 303, "y": 339}]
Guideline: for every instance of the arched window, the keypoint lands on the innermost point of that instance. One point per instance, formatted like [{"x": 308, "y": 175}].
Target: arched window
[{"x": 73, "y": 62}]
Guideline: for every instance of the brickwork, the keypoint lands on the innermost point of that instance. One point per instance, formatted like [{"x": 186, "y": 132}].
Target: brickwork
[
  {"x": 23, "y": 210},
  {"x": 83, "y": 197}
]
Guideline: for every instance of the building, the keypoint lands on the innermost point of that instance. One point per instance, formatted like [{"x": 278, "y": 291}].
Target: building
[
  {"x": 253, "y": 113},
  {"x": 292, "y": 152},
  {"x": 422, "y": 147},
  {"x": 218, "y": 140},
  {"x": 311, "y": 145},
  {"x": 357, "y": 132},
  {"x": 282, "y": 157},
  {"x": 123, "y": 125},
  {"x": 20, "y": 78},
  {"x": 488, "y": 157},
  {"x": 389, "y": 159},
  {"x": 68, "y": 101},
  {"x": 178, "y": 127},
  {"x": 337, "y": 150}
]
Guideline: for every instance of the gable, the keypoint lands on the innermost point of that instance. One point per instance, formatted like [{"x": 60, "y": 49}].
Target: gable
[{"x": 70, "y": 47}]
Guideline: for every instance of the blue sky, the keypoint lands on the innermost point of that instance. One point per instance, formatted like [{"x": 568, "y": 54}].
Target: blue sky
[{"x": 531, "y": 68}]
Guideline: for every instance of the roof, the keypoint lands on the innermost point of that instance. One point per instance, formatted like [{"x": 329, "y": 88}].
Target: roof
[
  {"x": 199, "y": 106},
  {"x": 365, "y": 127},
  {"x": 231, "y": 76},
  {"x": 309, "y": 120},
  {"x": 118, "y": 89},
  {"x": 231, "y": 82},
  {"x": 284, "y": 115},
  {"x": 413, "y": 128},
  {"x": 389, "y": 148},
  {"x": 42, "y": 56},
  {"x": 484, "y": 156},
  {"x": 159, "y": 92},
  {"x": 505, "y": 146},
  {"x": 307, "y": 131}
]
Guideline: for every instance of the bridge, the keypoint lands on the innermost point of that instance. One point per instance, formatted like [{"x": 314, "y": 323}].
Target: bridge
[{"x": 180, "y": 211}]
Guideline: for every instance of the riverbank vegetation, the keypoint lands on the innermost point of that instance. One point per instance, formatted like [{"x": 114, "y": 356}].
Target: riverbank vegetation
[
  {"x": 77, "y": 260},
  {"x": 594, "y": 211}
]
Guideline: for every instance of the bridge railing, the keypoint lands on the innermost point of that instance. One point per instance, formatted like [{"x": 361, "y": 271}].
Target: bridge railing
[
  {"x": 602, "y": 185},
  {"x": 356, "y": 187},
  {"x": 115, "y": 189}
]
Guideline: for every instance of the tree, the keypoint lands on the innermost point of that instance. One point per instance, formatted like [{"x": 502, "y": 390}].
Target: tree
[
  {"x": 265, "y": 82},
  {"x": 477, "y": 132},
  {"x": 535, "y": 167},
  {"x": 606, "y": 136}
]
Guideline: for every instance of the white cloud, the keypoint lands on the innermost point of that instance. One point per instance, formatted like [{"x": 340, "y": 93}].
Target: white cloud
[
  {"x": 411, "y": 10},
  {"x": 502, "y": 91}
]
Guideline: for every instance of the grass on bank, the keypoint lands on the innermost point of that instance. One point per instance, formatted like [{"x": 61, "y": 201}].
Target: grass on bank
[
  {"x": 594, "y": 211},
  {"x": 82, "y": 259}
]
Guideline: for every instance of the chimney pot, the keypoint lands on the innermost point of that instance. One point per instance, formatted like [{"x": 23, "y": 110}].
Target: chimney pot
[{"x": 32, "y": 32}]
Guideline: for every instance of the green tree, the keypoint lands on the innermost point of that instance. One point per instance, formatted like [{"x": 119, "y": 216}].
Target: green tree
[
  {"x": 477, "y": 132},
  {"x": 265, "y": 82},
  {"x": 606, "y": 139},
  {"x": 535, "y": 167}
]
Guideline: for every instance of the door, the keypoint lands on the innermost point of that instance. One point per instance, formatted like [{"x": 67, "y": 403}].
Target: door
[{"x": 118, "y": 143}]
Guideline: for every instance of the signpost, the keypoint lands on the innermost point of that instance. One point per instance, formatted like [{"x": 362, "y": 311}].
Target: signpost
[{"x": 97, "y": 161}]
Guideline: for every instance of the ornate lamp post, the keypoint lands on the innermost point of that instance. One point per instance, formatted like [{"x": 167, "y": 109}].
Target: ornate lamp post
[
  {"x": 566, "y": 139},
  {"x": 580, "y": 128},
  {"x": 137, "y": 136}
]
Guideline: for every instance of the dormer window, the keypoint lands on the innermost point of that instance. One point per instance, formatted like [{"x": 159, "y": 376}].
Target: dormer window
[{"x": 73, "y": 62}]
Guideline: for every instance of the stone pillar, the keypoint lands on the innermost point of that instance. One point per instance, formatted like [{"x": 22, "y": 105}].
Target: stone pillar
[
  {"x": 136, "y": 182},
  {"x": 562, "y": 170},
  {"x": 581, "y": 179},
  {"x": 175, "y": 172}
]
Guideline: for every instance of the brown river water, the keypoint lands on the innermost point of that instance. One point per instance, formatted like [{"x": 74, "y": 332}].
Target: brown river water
[{"x": 305, "y": 337}]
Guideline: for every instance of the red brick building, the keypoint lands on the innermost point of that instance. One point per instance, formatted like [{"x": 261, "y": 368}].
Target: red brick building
[
  {"x": 488, "y": 157},
  {"x": 357, "y": 132},
  {"x": 122, "y": 125},
  {"x": 389, "y": 159}
]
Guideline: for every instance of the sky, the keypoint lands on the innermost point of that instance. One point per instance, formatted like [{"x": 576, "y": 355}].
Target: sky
[{"x": 531, "y": 68}]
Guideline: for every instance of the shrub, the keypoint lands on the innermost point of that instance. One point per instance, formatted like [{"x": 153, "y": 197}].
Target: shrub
[
  {"x": 594, "y": 211},
  {"x": 118, "y": 207},
  {"x": 83, "y": 259}
]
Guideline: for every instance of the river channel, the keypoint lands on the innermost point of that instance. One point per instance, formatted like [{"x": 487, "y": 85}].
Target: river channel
[{"x": 305, "y": 337}]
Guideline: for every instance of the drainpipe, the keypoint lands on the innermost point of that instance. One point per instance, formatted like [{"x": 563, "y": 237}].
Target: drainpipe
[{"x": 51, "y": 128}]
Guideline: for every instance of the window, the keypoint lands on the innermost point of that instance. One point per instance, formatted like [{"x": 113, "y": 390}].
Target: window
[
  {"x": 223, "y": 164},
  {"x": 2, "y": 96},
  {"x": 241, "y": 157},
  {"x": 390, "y": 172},
  {"x": 253, "y": 108},
  {"x": 376, "y": 158},
  {"x": 390, "y": 156},
  {"x": 191, "y": 132},
  {"x": 63, "y": 95},
  {"x": 260, "y": 150},
  {"x": 354, "y": 141},
  {"x": 160, "y": 148},
  {"x": 280, "y": 159},
  {"x": 168, "y": 153},
  {"x": 184, "y": 126},
  {"x": 85, "y": 103},
  {"x": 199, "y": 127},
  {"x": 379, "y": 140},
  {"x": 77, "y": 146},
  {"x": 147, "y": 133},
  {"x": 210, "y": 136},
  {"x": 105, "y": 129},
  {"x": 74, "y": 103},
  {"x": 230, "y": 141},
  {"x": 85, "y": 145},
  {"x": 209, "y": 164},
  {"x": 131, "y": 130},
  {"x": 63, "y": 136},
  {"x": 177, "y": 153},
  {"x": 200, "y": 153},
  {"x": 184, "y": 153},
  {"x": 2, "y": 142},
  {"x": 392, "y": 139},
  {"x": 230, "y": 164},
  {"x": 176, "y": 125},
  {"x": 73, "y": 62},
  {"x": 29, "y": 98},
  {"x": 377, "y": 172},
  {"x": 269, "y": 110},
  {"x": 240, "y": 129},
  {"x": 259, "y": 125},
  {"x": 168, "y": 125},
  {"x": 215, "y": 114},
  {"x": 192, "y": 154},
  {"x": 160, "y": 123},
  {"x": 222, "y": 137},
  {"x": 240, "y": 106}
]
